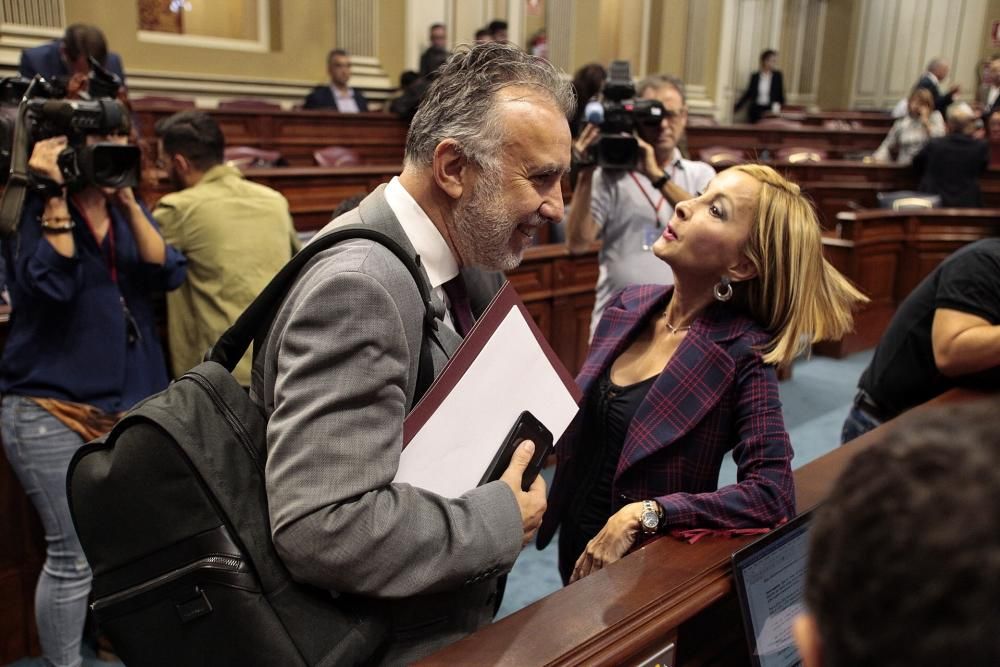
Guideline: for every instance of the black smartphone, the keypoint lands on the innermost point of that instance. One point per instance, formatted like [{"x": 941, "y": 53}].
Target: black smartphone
[{"x": 526, "y": 427}]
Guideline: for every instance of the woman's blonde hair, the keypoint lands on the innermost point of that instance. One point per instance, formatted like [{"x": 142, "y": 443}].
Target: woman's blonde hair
[{"x": 797, "y": 295}]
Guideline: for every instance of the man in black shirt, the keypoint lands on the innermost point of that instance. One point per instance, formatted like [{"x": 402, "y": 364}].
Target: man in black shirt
[
  {"x": 950, "y": 166},
  {"x": 945, "y": 334}
]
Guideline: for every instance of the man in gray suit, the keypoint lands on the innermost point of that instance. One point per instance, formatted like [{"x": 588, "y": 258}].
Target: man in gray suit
[{"x": 337, "y": 372}]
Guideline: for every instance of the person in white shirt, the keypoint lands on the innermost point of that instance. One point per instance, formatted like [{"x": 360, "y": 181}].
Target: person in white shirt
[
  {"x": 628, "y": 209},
  {"x": 337, "y": 95},
  {"x": 937, "y": 72},
  {"x": 766, "y": 91},
  {"x": 991, "y": 103},
  {"x": 910, "y": 133}
]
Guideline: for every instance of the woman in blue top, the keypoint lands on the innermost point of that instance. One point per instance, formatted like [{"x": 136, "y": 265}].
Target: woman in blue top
[{"x": 82, "y": 348}]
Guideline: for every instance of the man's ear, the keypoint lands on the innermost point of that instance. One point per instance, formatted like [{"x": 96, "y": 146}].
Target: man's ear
[
  {"x": 807, "y": 638},
  {"x": 742, "y": 270},
  {"x": 450, "y": 168}
]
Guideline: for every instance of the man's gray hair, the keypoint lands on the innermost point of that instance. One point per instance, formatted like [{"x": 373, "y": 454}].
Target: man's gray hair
[
  {"x": 461, "y": 102},
  {"x": 960, "y": 115},
  {"x": 659, "y": 81}
]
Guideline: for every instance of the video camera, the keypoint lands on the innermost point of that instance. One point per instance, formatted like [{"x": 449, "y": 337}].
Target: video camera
[
  {"x": 619, "y": 115},
  {"x": 34, "y": 110}
]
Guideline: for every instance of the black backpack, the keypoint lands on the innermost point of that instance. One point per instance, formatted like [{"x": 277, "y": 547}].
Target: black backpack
[{"x": 171, "y": 510}]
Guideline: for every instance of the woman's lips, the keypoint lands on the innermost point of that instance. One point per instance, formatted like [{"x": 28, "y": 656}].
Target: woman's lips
[{"x": 668, "y": 233}]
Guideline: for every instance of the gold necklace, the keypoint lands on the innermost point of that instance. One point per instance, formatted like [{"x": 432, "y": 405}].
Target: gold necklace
[{"x": 671, "y": 328}]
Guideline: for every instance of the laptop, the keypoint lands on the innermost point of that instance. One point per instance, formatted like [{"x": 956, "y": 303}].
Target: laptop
[{"x": 769, "y": 577}]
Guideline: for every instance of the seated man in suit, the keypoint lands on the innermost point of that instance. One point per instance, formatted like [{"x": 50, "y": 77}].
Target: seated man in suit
[
  {"x": 950, "y": 166},
  {"x": 337, "y": 95},
  {"x": 766, "y": 91},
  {"x": 68, "y": 58},
  {"x": 946, "y": 333},
  {"x": 235, "y": 234},
  {"x": 337, "y": 372},
  {"x": 937, "y": 72},
  {"x": 904, "y": 560}
]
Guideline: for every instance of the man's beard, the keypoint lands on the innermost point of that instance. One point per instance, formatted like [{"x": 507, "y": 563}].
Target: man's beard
[{"x": 483, "y": 226}]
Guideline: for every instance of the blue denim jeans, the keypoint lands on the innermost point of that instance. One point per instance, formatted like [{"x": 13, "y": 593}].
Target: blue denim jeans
[
  {"x": 39, "y": 448},
  {"x": 858, "y": 423}
]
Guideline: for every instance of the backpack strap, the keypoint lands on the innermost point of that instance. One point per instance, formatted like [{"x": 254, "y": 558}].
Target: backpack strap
[{"x": 255, "y": 322}]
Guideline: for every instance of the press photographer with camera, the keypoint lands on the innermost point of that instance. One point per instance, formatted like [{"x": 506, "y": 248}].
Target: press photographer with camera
[
  {"x": 83, "y": 261},
  {"x": 625, "y": 197}
]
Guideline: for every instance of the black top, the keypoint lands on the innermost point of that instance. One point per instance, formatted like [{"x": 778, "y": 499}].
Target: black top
[
  {"x": 609, "y": 412},
  {"x": 950, "y": 166},
  {"x": 902, "y": 373}
]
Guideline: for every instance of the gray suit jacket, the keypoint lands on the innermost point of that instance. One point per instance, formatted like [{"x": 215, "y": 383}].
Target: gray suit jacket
[{"x": 336, "y": 376}]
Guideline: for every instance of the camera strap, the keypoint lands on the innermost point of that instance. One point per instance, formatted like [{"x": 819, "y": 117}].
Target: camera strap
[{"x": 657, "y": 206}]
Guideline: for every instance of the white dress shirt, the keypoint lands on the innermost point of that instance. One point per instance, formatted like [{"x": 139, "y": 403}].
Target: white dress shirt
[
  {"x": 435, "y": 255},
  {"x": 345, "y": 101},
  {"x": 764, "y": 90}
]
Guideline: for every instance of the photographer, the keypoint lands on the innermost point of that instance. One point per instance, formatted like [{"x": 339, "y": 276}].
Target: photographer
[
  {"x": 68, "y": 59},
  {"x": 82, "y": 348},
  {"x": 628, "y": 209}
]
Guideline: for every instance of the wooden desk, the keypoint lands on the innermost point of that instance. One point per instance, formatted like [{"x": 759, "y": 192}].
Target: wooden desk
[
  {"x": 668, "y": 589},
  {"x": 378, "y": 138},
  {"x": 755, "y": 139},
  {"x": 879, "y": 119},
  {"x": 887, "y": 253}
]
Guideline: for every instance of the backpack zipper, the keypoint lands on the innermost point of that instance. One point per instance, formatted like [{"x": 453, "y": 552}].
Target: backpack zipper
[
  {"x": 231, "y": 418},
  {"x": 224, "y": 563}
]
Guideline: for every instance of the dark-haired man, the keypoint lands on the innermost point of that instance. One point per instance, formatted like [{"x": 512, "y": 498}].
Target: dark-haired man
[
  {"x": 338, "y": 370},
  {"x": 68, "y": 58},
  {"x": 437, "y": 52},
  {"x": 904, "y": 560},
  {"x": 498, "y": 31},
  {"x": 337, "y": 95},
  {"x": 236, "y": 235},
  {"x": 945, "y": 334}
]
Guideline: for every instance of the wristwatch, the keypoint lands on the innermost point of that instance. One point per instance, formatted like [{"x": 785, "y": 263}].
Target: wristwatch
[
  {"x": 661, "y": 181},
  {"x": 649, "y": 519}
]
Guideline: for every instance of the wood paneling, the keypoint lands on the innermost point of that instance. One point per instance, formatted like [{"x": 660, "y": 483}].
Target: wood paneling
[{"x": 887, "y": 253}]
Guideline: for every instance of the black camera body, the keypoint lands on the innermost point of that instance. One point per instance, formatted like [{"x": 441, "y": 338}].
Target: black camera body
[
  {"x": 38, "y": 104},
  {"x": 618, "y": 116}
]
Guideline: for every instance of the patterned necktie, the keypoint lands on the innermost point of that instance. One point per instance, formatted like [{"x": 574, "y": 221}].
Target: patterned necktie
[{"x": 458, "y": 304}]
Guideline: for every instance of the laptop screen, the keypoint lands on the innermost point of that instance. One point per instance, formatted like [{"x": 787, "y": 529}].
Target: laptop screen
[{"x": 770, "y": 578}]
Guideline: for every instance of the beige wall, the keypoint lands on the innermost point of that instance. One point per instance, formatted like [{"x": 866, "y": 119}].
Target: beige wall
[
  {"x": 838, "y": 42},
  {"x": 392, "y": 38},
  {"x": 301, "y": 34}
]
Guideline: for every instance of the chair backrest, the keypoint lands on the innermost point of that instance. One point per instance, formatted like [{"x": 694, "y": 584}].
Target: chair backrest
[
  {"x": 721, "y": 157},
  {"x": 249, "y": 103},
  {"x": 801, "y": 154},
  {"x": 782, "y": 123},
  {"x": 701, "y": 120},
  {"x": 182, "y": 102},
  {"x": 243, "y": 157},
  {"x": 901, "y": 200},
  {"x": 337, "y": 156}
]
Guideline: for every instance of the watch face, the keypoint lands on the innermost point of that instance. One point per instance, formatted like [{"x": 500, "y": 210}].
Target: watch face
[{"x": 650, "y": 520}]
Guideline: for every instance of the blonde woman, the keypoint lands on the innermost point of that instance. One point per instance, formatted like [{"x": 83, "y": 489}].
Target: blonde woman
[
  {"x": 911, "y": 132},
  {"x": 679, "y": 376}
]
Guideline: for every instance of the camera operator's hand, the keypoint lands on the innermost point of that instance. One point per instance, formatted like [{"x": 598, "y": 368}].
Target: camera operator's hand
[
  {"x": 44, "y": 156},
  {"x": 581, "y": 147},
  {"x": 647, "y": 159},
  {"x": 77, "y": 85}
]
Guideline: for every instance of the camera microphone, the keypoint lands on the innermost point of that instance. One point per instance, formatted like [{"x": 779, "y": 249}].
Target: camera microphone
[{"x": 594, "y": 112}]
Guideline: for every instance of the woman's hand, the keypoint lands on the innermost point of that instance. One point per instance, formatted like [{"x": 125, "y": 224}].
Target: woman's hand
[
  {"x": 123, "y": 198},
  {"x": 613, "y": 542},
  {"x": 44, "y": 157}
]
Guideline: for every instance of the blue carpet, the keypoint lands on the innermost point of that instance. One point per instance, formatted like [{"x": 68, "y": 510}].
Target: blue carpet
[{"x": 815, "y": 403}]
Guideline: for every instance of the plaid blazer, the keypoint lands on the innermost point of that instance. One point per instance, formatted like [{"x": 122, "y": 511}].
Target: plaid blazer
[{"x": 714, "y": 395}]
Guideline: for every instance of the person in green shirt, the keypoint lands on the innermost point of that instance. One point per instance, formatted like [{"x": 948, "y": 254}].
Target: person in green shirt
[{"x": 236, "y": 235}]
